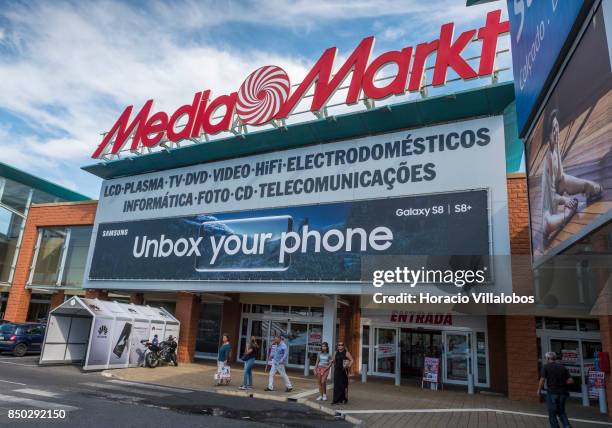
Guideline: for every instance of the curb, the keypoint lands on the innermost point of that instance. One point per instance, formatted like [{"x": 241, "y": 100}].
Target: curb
[
  {"x": 324, "y": 409},
  {"x": 332, "y": 412}
]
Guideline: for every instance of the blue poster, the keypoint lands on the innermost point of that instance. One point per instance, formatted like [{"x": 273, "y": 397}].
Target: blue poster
[{"x": 539, "y": 29}]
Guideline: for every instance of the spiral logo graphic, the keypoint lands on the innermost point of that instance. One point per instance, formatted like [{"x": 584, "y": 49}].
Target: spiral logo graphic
[{"x": 262, "y": 94}]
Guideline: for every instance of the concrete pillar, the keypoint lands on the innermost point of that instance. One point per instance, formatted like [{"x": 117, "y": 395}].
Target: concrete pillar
[
  {"x": 188, "y": 313},
  {"x": 330, "y": 303},
  {"x": 57, "y": 299}
]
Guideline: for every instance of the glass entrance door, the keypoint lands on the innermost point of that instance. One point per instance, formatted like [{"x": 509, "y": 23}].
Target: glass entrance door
[
  {"x": 385, "y": 350},
  {"x": 260, "y": 329},
  {"x": 457, "y": 357},
  {"x": 415, "y": 345}
]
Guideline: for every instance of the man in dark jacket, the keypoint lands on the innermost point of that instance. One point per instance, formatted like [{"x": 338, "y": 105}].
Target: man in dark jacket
[{"x": 557, "y": 379}]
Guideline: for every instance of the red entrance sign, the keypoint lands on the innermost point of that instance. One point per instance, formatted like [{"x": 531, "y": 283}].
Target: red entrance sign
[{"x": 265, "y": 94}]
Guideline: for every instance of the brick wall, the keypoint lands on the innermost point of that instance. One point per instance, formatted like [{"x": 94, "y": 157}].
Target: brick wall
[
  {"x": 44, "y": 215},
  {"x": 188, "y": 313},
  {"x": 56, "y": 300},
  {"x": 521, "y": 346},
  {"x": 230, "y": 324},
  {"x": 496, "y": 328}
]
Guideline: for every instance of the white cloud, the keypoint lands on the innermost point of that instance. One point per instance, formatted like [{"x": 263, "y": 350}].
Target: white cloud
[{"x": 79, "y": 63}]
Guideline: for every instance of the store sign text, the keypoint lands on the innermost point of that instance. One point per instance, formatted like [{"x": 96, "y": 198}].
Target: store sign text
[
  {"x": 265, "y": 95},
  {"x": 420, "y": 318}
]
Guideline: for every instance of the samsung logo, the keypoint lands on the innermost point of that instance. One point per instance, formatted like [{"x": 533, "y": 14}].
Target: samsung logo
[{"x": 115, "y": 232}]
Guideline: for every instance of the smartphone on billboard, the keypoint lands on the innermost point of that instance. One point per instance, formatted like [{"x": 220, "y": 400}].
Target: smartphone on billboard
[
  {"x": 122, "y": 341},
  {"x": 241, "y": 245}
]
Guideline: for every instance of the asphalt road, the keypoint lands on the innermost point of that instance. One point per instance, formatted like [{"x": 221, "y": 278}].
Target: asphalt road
[{"x": 91, "y": 400}]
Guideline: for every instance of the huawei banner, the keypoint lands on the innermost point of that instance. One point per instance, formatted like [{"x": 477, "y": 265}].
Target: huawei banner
[{"x": 327, "y": 242}]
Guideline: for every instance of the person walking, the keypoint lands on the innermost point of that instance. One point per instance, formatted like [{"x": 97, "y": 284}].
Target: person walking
[
  {"x": 557, "y": 380},
  {"x": 279, "y": 359},
  {"x": 342, "y": 363},
  {"x": 223, "y": 356},
  {"x": 321, "y": 370},
  {"x": 249, "y": 359}
]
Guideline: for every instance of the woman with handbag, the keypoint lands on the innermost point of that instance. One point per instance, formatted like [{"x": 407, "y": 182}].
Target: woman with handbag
[
  {"x": 342, "y": 362},
  {"x": 222, "y": 360},
  {"x": 321, "y": 370},
  {"x": 249, "y": 359}
]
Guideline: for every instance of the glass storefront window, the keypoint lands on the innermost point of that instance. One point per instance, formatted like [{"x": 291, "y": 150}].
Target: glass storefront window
[
  {"x": 481, "y": 357},
  {"x": 40, "y": 197},
  {"x": 209, "y": 328},
  {"x": 298, "y": 338},
  {"x": 39, "y": 307},
  {"x": 385, "y": 350},
  {"x": 301, "y": 311},
  {"x": 10, "y": 227},
  {"x": 78, "y": 246},
  {"x": 568, "y": 324},
  {"x": 49, "y": 255},
  {"x": 316, "y": 312},
  {"x": 278, "y": 309},
  {"x": 569, "y": 354},
  {"x": 589, "y": 325},
  {"x": 15, "y": 195},
  {"x": 260, "y": 309}
]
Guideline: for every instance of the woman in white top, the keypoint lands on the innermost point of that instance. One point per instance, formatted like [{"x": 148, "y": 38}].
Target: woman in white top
[{"x": 321, "y": 370}]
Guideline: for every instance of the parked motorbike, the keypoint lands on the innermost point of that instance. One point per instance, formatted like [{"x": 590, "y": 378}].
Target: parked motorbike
[{"x": 165, "y": 352}]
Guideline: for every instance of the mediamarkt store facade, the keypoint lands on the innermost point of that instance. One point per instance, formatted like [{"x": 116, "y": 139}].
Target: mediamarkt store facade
[{"x": 279, "y": 229}]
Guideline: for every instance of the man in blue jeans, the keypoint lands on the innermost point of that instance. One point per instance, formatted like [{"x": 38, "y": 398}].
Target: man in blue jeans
[{"x": 557, "y": 380}]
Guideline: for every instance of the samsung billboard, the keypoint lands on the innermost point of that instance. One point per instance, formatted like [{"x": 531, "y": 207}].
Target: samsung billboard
[{"x": 315, "y": 213}]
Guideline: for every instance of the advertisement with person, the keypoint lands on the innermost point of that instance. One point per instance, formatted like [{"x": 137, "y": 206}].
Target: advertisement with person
[
  {"x": 569, "y": 152},
  {"x": 329, "y": 242},
  {"x": 140, "y": 332}
]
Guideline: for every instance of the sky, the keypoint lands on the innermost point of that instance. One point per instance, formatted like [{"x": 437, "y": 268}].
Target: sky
[{"x": 69, "y": 68}]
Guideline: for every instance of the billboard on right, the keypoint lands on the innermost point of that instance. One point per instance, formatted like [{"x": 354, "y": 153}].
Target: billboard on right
[{"x": 569, "y": 151}]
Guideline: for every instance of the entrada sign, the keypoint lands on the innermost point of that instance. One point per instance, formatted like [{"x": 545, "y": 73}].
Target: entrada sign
[
  {"x": 265, "y": 95},
  {"x": 421, "y": 318}
]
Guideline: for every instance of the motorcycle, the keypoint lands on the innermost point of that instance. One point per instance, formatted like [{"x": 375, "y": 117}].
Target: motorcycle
[{"x": 165, "y": 352}]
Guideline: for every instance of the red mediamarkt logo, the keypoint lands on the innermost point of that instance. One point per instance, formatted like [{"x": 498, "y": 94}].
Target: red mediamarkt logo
[{"x": 265, "y": 94}]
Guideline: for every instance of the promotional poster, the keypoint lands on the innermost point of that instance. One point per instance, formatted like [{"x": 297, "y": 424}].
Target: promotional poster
[
  {"x": 329, "y": 242},
  {"x": 569, "y": 153}
]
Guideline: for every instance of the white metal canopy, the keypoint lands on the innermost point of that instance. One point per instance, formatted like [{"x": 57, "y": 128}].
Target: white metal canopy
[{"x": 103, "y": 334}]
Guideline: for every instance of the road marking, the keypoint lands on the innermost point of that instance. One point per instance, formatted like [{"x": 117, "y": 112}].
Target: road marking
[
  {"x": 19, "y": 364},
  {"x": 467, "y": 410},
  {"x": 14, "y": 383},
  {"x": 152, "y": 386},
  {"x": 308, "y": 392},
  {"x": 124, "y": 389},
  {"x": 35, "y": 403},
  {"x": 42, "y": 393}
]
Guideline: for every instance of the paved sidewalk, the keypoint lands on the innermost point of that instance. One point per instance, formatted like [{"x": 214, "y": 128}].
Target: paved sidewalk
[{"x": 377, "y": 403}]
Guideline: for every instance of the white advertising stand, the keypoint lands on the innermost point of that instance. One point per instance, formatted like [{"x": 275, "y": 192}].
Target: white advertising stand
[{"x": 103, "y": 334}]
